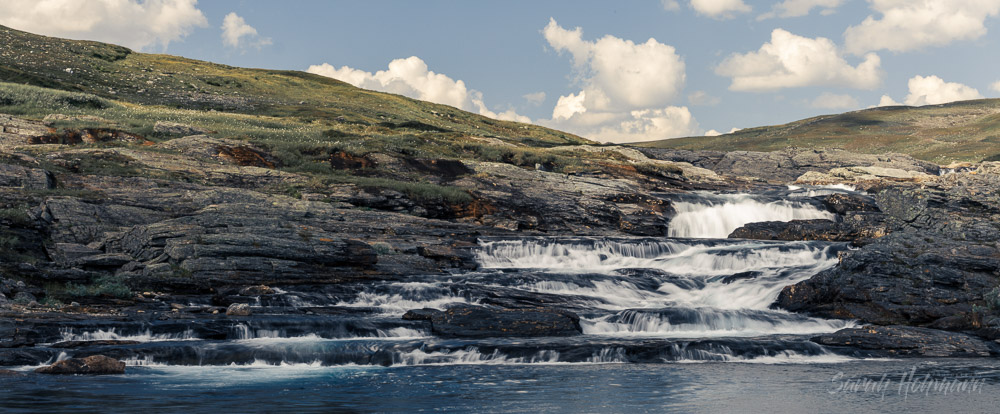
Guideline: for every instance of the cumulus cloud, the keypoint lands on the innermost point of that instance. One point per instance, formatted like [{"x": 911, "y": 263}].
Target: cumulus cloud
[
  {"x": 627, "y": 88},
  {"x": 887, "y": 100},
  {"x": 411, "y": 77},
  {"x": 237, "y": 33},
  {"x": 995, "y": 86},
  {"x": 790, "y": 61},
  {"x": 913, "y": 24},
  {"x": 535, "y": 98},
  {"x": 618, "y": 74},
  {"x": 670, "y": 5},
  {"x": 702, "y": 98},
  {"x": 132, "y": 23},
  {"x": 797, "y": 8},
  {"x": 932, "y": 90},
  {"x": 720, "y": 9},
  {"x": 828, "y": 100}
]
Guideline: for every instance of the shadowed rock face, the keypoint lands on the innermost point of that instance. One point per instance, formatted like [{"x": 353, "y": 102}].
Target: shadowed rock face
[
  {"x": 92, "y": 365},
  {"x": 859, "y": 228},
  {"x": 490, "y": 321},
  {"x": 907, "y": 341}
]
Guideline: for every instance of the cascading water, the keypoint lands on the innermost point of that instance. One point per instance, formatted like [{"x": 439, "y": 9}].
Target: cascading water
[
  {"x": 691, "y": 296},
  {"x": 688, "y": 289},
  {"x": 716, "y": 216}
]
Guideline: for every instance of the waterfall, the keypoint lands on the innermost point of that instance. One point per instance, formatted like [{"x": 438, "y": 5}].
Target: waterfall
[
  {"x": 718, "y": 216},
  {"x": 687, "y": 288}
]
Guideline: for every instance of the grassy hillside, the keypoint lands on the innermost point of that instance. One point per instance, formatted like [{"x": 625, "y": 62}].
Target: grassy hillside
[
  {"x": 115, "y": 72},
  {"x": 960, "y": 131}
]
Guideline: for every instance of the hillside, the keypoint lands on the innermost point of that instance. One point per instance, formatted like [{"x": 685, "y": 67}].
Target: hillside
[
  {"x": 960, "y": 131},
  {"x": 115, "y": 72}
]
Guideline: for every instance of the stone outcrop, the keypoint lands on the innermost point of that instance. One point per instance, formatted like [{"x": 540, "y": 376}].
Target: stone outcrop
[
  {"x": 787, "y": 165},
  {"x": 907, "y": 341},
  {"x": 92, "y": 365},
  {"x": 939, "y": 267},
  {"x": 466, "y": 321}
]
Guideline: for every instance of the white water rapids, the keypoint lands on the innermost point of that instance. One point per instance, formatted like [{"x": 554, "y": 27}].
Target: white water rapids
[
  {"x": 688, "y": 289},
  {"x": 717, "y": 216}
]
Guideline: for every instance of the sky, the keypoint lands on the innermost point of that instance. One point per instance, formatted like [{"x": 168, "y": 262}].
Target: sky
[{"x": 609, "y": 71}]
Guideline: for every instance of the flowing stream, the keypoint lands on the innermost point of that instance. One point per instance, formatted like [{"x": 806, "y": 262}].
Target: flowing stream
[{"x": 692, "y": 296}]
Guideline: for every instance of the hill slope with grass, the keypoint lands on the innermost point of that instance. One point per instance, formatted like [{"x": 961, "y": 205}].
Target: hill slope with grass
[
  {"x": 959, "y": 131},
  {"x": 115, "y": 72}
]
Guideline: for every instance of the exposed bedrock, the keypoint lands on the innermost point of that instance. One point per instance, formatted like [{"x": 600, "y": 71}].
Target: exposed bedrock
[
  {"x": 467, "y": 321},
  {"x": 939, "y": 268}
]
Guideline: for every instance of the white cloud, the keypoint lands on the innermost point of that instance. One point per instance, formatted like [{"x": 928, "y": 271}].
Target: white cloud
[
  {"x": 790, "y": 61},
  {"x": 237, "y": 33},
  {"x": 618, "y": 74},
  {"x": 913, "y": 24},
  {"x": 797, "y": 8},
  {"x": 535, "y": 98},
  {"x": 995, "y": 86},
  {"x": 670, "y": 5},
  {"x": 887, "y": 100},
  {"x": 714, "y": 133},
  {"x": 720, "y": 9},
  {"x": 131, "y": 23},
  {"x": 702, "y": 98},
  {"x": 411, "y": 77},
  {"x": 828, "y": 100},
  {"x": 626, "y": 88},
  {"x": 633, "y": 126},
  {"x": 932, "y": 90}
]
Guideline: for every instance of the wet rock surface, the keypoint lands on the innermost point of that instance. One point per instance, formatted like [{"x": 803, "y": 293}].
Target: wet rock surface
[
  {"x": 491, "y": 321},
  {"x": 92, "y": 365},
  {"x": 209, "y": 237},
  {"x": 909, "y": 341}
]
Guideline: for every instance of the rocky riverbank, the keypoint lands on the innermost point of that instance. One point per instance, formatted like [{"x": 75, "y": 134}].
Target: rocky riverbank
[{"x": 211, "y": 221}]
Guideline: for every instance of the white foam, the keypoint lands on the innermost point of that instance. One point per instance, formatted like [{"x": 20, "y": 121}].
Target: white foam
[
  {"x": 470, "y": 356},
  {"x": 709, "y": 323},
  {"x": 397, "y": 304},
  {"x": 69, "y": 334},
  {"x": 708, "y": 219}
]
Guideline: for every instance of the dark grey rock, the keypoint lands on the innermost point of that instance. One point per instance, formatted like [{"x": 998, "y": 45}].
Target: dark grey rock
[
  {"x": 467, "y": 321},
  {"x": 92, "y": 365},
  {"x": 907, "y": 341}
]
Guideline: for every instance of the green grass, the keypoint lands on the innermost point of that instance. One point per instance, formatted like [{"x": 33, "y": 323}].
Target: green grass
[
  {"x": 103, "y": 286},
  {"x": 113, "y": 72},
  {"x": 960, "y": 131}
]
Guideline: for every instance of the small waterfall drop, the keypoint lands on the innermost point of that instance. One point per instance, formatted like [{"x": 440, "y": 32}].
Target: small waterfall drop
[{"x": 717, "y": 216}]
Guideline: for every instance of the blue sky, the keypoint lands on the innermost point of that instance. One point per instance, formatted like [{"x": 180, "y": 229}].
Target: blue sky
[{"x": 714, "y": 65}]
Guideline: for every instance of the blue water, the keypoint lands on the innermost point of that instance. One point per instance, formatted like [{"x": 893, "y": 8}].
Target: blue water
[{"x": 697, "y": 387}]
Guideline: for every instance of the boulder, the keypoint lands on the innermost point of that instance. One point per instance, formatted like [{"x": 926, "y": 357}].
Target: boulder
[
  {"x": 842, "y": 203},
  {"x": 858, "y": 228},
  {"x": 238, "y": 309},
  {"x": 92, "y": 365},
  {"x": 257, "y": 290}
]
